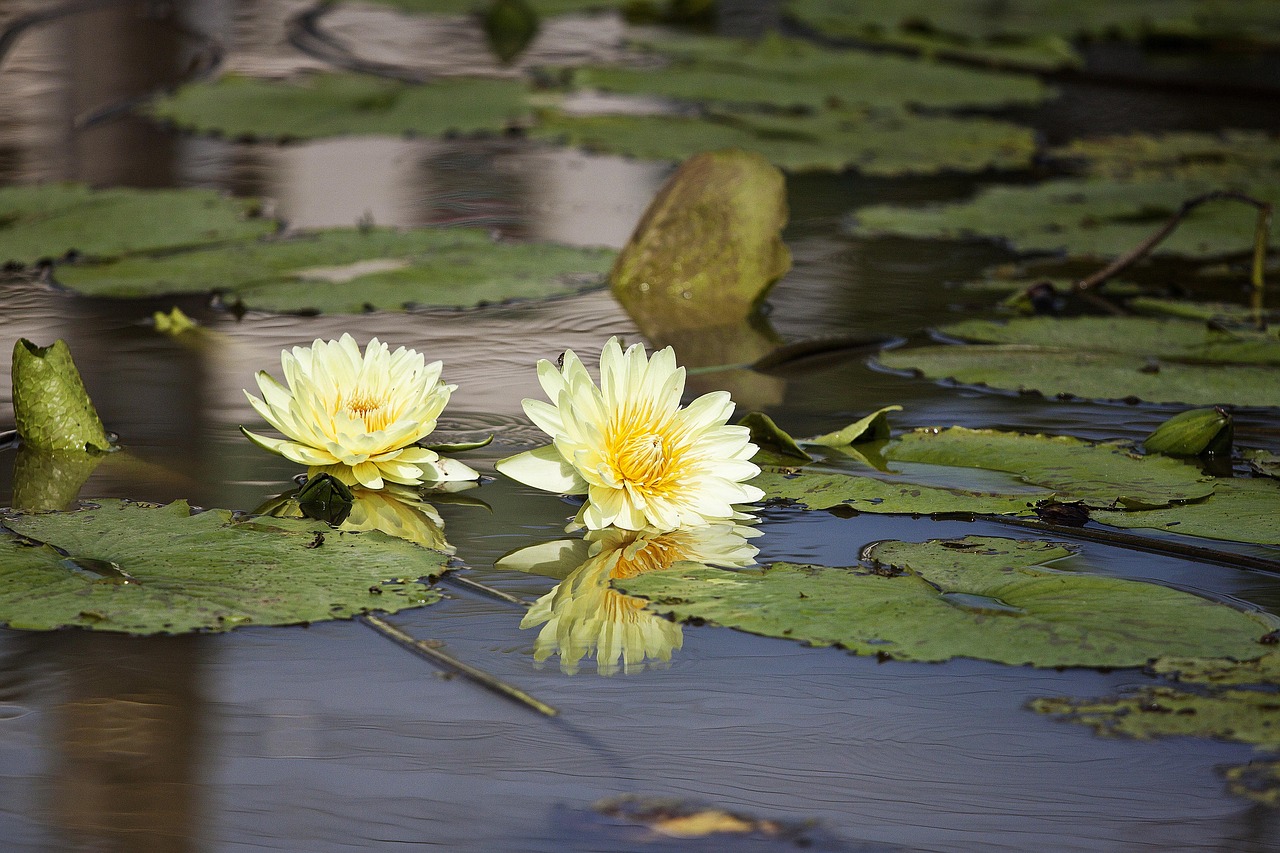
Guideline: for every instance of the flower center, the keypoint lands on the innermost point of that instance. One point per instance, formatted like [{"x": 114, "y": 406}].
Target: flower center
[
  {"x": 642, "y": 457},
  {"x": 368, "y": 408}
]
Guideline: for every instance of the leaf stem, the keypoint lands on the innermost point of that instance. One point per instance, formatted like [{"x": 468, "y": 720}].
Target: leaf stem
[{"x": 428, "y": 650}]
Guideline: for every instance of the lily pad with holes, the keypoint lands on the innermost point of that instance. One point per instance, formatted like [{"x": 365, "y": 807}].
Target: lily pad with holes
[
  {"x": 1240, "y": 510},
  {"x": 146, "y": 569},
  {"x": 978, "y": 597},
  {"x": 1098, "y": 376},
  {"x": 1087, "y": 218},
  {"x": 337, "y": 104},
  {"x": 352, "y": 270},
  {"x": 51, "y": 220},
  {"x": 875, "y": 144},
  {"x": 790, "y": 73}
]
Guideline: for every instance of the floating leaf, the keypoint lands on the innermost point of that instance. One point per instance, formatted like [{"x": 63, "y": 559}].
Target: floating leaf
[
  {"x": 873, "y": 427},
  {"x": 1247, "y": 716},
  {"x": 1192, "y": 433},
  {"x": 354, "y": 270},
  {"x": 1239, "y": 511},
  {"x": 1231, "y": 155},
  {"x": 826, "y": 489},
  {"x": 1224, "y": 313},
  {"x": 1085, "y": 218},
  {"x": 1263, "y": 462},
  {"x": 1163, "y": 338},
  {"x": 211, "y": 571},
  {"x": 48, "y": 221},
  {"x": 336, "y": 104},
  {"x": 51, "y": 407},
  {"x": 875, "y": 144},
  {"x": 1073, "y": 469},
  {"x": 1219, "y": 671},
  {"x": 791, "y": 73},
  {"x": 773, "y": 444},
  {"x": 977, "y": 597},
  {"x": 1098, "y": 376},
  {"x": 709, "y": 246}
]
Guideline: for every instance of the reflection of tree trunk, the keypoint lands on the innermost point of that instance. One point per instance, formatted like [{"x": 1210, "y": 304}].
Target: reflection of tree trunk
[{"x": 125, "y": 737}]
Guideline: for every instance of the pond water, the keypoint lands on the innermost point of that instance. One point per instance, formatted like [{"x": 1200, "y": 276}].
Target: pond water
[{"x": 328, "y": 737}]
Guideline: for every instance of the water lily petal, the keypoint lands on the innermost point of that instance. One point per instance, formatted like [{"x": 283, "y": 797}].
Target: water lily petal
[{"x": 545, "y": 469}]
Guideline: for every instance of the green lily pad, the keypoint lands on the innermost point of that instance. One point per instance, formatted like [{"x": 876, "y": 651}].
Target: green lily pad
[
  {"x": 1097, "y": 376},
  {"x": 1238, "y": 511},
  {"x": 1168, "y": 339},
  {"x": 48, "y": 221},
  {"x": 978, "y": 597},
  {"x": 827, "y": 489},
  {"x": 351, "y": 270},
  {"x": 1263, "y": 462},
  {"x": 881, "y": 144},
  {"x": 1219, "y": 671},
  {"x": 1219, "y": 312},
  {"x": 1233, "y": 155},
  {"x": 51, "y": 407},
  {"x": 336, "y": 104},
  {"x": 1033, "y": 33},
  {"x": 1073, "y": 469},
  {"x": 145, "y": 569},
  {"x": 1247, "y": 716},
  {"x": 1085, "y": 217},
  {"x": 794, "y": 74}
]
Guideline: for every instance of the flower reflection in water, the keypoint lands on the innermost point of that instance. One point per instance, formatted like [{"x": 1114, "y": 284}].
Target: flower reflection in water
[
  {"x": 399, "y": 511},
  {"x": 583, "y": 616}
]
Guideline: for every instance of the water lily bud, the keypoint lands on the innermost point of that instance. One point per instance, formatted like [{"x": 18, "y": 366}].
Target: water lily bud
[{"x": 1198, "y": 432}]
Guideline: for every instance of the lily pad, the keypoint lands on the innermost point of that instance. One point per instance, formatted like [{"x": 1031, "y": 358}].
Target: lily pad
[
  {"x": 978, "y": 597},
  {"x": 1240, "y": 510},
  {"x": 354, "y": 270},
  {"x": 882, "y": 144},
  {"x": 49, "y": 221},
  {"x": 1085, "y": 218},
  {"x": 793, "y": 74},
  {"x": 51, "y": 407},
  {"x": 1218, "y": 671},
  {"x": 827, "y": 489},
  {"x": 1234, "y": 155},
  {"x": 1168, "y": 339},
  {"x": 336, "y": 104},
  {"x": 145, "y": 569},
  {"x": 1226, "y": 313},
  {"x": 1098, "y": 376},
  {"x": 1247, "y": 716}
]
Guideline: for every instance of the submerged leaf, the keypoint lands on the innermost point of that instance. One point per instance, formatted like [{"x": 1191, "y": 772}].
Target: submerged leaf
[
  {"x": 51, "y": 407},
  {"x": 977, "y": 597},
  {"x": 1098, "y": 376},
  {"x": 350, "y": 270},
  {"x": 340, "y": 103},
  {"x": 205, "y": 572}
]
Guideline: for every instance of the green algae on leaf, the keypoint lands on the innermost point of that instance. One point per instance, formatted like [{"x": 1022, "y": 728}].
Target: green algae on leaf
[
  {"x": 1084, "y": 217},
  {"x": 1097, "y": 376},
  {"x": 354, "y": 270},
  {"x": 794, "y": 74},
  {"x": 882, "y": 144},
  {"x": 336, "y": 104},
  {"x": 1240, "y": 510},
  {"x": 145, "y": 569},
  {"x": 51, "y": 408},
  {"x": 979, "y": 597},
  {"x": 52, "y": 220}
]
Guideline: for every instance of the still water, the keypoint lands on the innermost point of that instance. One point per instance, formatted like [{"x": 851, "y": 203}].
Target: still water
[{"x": 329, "y": 737}]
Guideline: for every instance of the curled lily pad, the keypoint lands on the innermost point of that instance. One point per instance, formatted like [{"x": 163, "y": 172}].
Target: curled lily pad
[
  {"x": 977, "y": 597},
  {"x": 336, "y": 104},
  {"x": 773, "y": 443},
  {"x": 351, "y": 270},
  {"x": 1099, "y": 376},
  {"x": 146, "y": 569},
  {"x": 1240, "y": 510},
  {"x": 51, "y": 407},
  {"x": 53, "y": 219}
]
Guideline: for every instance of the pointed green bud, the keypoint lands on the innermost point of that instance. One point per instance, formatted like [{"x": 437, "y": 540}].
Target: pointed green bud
[
  {"x": 51, "y": 408},
  {"x": 1198, "y": 432},
  {"x": 509, "y": 25}
]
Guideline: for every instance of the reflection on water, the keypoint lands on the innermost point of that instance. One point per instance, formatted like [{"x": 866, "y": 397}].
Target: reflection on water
[{"x": 584, "y": 617}]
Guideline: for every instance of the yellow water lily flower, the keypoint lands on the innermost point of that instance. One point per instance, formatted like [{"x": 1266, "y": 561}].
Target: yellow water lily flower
[
  {"x": 357, "y": 416},
  {"x": 584, "y": 617},
  {"x": 641, "y": 459}
]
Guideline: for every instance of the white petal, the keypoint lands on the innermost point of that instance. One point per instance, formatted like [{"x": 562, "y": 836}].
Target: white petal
[{"x": 545, "y": 469}]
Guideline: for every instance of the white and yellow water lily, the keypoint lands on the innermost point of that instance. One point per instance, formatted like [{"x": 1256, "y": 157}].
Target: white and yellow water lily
[
  {"x": 357, "y": 416},
  {"x": 584, "y": 617},
  {"x": 641, "y": 459}
]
